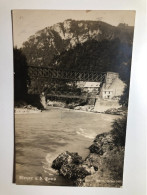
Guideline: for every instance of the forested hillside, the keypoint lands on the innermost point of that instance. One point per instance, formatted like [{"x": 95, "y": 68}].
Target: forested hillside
[{"x": 101, "y": 56}]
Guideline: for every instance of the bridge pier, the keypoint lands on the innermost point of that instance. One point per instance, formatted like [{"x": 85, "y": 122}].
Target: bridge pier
[{"x": 43, "y": 100}]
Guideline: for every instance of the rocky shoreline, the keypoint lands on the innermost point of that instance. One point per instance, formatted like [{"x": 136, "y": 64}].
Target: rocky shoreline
[
  {"x": 103, "y": 166},
  {"x": 90, "y": 108},
  {"x": 26, "y": 109}
]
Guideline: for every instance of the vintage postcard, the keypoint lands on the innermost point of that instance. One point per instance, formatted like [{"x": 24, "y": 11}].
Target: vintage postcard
[{"x": 71, "y": 88}]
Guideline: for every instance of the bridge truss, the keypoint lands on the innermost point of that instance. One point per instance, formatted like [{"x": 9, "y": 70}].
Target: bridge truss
[
  {"x": 46, "y": 73},
  {"x": 43, "y": 75}
]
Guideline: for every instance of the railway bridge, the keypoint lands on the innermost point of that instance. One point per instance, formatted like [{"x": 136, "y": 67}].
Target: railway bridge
[{"x": 44, "y": 75}]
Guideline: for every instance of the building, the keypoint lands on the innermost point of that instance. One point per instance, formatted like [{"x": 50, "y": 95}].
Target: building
[
  {"x": 113, "y": 87},
  {"x": 107, "y": 93},
  {"x": 92, "y": 87}
]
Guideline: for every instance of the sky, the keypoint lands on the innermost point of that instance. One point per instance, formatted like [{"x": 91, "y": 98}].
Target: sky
[{"x": 28, "y": 22}]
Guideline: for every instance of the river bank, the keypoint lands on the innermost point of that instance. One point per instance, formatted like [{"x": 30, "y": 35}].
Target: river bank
[
  {"x": 23, "y": 107},
  {"x": 103, "y": 167},
  {"x": 99, "y": 169},
  {"x": 87, "y": 108},
  {"x": 26, "y": 109}
]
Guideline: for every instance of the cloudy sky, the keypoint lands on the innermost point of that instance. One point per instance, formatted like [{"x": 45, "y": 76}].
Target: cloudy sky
[{"x": 28, "y": 22}]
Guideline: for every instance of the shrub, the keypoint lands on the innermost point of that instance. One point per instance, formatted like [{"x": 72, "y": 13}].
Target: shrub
[
  {"x": 124, "y": 98},
  {"x": 119, "y": 131},
  {"x": 112, "y": 164}
]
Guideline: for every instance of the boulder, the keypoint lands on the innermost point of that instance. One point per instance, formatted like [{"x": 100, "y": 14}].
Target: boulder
[
  {"x": 66, "y": 158},
  {"x": 79, "y": 182},
  {"x": 94, "y": 148},
  {"x": 102, "y": 143},
  {"x": 92, "y": 160},
  {"x": 73, "y": 171},
  {"x": 70, "y": 165}
]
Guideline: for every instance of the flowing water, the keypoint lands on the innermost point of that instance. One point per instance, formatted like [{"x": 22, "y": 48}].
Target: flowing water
[{"x": 41, "y": 137}]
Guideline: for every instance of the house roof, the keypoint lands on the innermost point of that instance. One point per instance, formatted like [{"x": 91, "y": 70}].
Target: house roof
[
  {"x": 92, "y": 84},
  {"x": 107, "y": 90}
]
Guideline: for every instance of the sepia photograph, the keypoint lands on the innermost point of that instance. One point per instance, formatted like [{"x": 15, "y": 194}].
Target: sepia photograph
[{"x": 71, "y": 88}]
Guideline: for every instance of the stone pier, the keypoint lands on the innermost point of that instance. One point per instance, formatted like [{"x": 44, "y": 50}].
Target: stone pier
[{"x": 43, "y": 100}]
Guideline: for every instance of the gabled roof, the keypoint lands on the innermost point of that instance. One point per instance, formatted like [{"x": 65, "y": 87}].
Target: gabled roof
[{"x": 92, "y": 84}]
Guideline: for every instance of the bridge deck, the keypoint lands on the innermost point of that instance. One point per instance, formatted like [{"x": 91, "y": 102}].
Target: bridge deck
[
  {"x": 67, "y": 96},
  {"x": 72, "y": 96}
]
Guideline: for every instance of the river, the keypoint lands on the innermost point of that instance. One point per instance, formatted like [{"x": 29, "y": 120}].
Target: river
[{"x": 41, "y": 137}]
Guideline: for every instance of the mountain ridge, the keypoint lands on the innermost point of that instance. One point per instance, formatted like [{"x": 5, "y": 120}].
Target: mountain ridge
[{"x": 41, "y": 48}]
